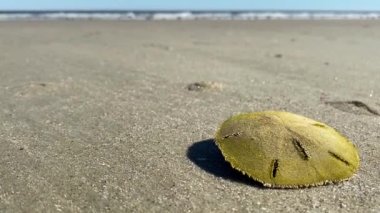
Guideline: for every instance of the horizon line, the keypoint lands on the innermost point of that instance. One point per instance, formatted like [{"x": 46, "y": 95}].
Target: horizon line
[{"x": 177, "y": 11}]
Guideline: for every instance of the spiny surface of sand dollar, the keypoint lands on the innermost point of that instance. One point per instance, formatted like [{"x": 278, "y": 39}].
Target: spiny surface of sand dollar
[{"x": 285, "y": 150}]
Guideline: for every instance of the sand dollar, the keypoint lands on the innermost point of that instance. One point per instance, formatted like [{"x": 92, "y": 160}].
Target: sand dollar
[{"x": 285, "y": 150}]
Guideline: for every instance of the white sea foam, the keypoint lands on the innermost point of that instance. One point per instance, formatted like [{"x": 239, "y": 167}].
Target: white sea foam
[{"x": 196, "y": 15}]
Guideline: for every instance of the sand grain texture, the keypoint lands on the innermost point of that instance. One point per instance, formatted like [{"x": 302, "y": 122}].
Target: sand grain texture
[{"x": 96, "y": 116}]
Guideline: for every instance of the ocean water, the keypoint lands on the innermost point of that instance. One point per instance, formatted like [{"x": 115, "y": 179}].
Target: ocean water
[{"x": 189, "y": 15}]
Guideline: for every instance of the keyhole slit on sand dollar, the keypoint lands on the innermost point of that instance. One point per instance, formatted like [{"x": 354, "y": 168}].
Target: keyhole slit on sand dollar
[{"x": 285, "y": 150}]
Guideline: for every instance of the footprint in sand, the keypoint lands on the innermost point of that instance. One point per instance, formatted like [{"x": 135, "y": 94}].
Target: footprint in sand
[
  {"x": 354, "y": 107},
  {"x": 34, "y": 89},
  {"x": 29, "y": 89}
]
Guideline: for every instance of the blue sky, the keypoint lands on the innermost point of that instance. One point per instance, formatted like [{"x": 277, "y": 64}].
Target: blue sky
[{"x": 190, "y": 4}]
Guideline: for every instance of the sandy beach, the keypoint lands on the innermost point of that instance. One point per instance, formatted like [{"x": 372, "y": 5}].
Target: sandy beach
[{"x": 101, "y": 116}]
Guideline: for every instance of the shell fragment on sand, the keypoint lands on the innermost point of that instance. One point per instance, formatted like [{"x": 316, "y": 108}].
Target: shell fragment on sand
[{"x": 285, "y": 150}]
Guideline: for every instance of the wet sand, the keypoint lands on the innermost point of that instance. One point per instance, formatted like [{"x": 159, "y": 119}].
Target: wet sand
[{"x": 110, "y": 116}]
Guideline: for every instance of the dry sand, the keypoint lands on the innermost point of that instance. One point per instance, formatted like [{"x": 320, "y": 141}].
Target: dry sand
[{"x": 99, "y": 116}]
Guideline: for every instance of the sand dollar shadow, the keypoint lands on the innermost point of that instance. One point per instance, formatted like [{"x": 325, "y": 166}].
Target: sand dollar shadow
[{"x": 207, "y": 156}]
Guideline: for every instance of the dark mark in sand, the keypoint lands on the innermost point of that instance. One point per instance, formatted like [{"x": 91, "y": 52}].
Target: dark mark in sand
[
  {"x": 278, "y": 55},
  {"x": 204, "y": 85},
  {"x": 354, "y": 107}
]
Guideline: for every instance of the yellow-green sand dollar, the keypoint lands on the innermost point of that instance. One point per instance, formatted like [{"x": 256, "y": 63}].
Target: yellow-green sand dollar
[{"x": 285, "y": 150}]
